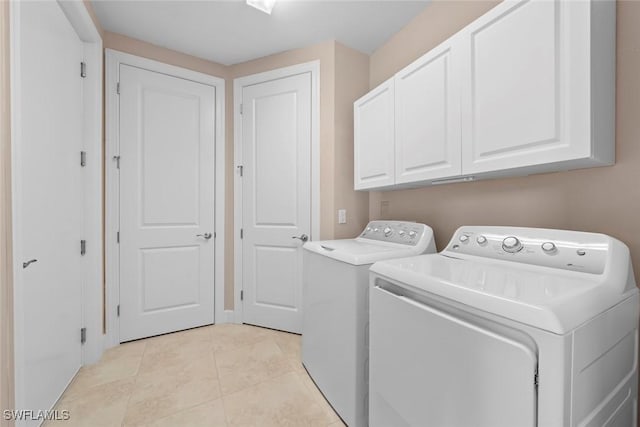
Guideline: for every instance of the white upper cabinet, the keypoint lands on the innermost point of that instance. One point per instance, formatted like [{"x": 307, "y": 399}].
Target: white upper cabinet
[
  {"x": 427, "y": 116},
  {"x": 529, "y": 87},
  {"x": 538, "y": 87},
  {"x": 373, "y": 118}
]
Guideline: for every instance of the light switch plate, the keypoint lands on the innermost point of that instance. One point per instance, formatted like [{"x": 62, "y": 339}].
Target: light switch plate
[{"x": 342, "y": 216}]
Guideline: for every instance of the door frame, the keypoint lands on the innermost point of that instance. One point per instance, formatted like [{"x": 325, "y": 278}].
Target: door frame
[
  {"x": 112, "y": 195},
  {"x": 312, "y": 67},
  {"x": 92, "y": 268}
]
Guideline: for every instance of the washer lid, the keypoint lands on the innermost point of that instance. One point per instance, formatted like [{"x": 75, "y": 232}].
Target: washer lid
[
  {"x": 555, "y": 300},
  {"x": 361, "y": 251}
]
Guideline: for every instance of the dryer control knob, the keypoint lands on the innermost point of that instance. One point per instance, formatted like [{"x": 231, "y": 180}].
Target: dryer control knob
[
  {"x": 388, "y": 231},
  {"x": 412, "y": 234},
  {"x": 401, "y": 232},
  {"x": 481, "y": 240},
  {"x": 464, "y": 238},
  {"x": 549, "y": 247},
  {"x": 511, "y": 244}
]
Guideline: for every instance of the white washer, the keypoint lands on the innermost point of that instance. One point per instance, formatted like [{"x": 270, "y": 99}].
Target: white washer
[
  {"x": 508, "y": 327},
  {"x": 335, "y": 295}
]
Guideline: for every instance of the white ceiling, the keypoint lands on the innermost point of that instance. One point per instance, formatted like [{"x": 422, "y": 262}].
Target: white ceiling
[{"x": 230, "y": 32}]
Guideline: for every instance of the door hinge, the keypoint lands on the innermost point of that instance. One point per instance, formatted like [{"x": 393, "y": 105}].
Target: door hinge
[
  {"x": 241, "y": 295},
  {"x": 83, "y": 247},
  {"x": 242, "y": 233},
  {"x": 536, "y": 379},
  {"x": 117, "y": 237},
  {"x": 117, "y": 160},
  {"x": 240, "y": 170},
  {"x": 83, "y": 335},
  {"x": 118, "y": 310},
  {"x": 83, "y": 158},
  {"x": 241, "y": 108},
  {"x": 118, "y": 88},
  {"x": 83, "y": 69}
]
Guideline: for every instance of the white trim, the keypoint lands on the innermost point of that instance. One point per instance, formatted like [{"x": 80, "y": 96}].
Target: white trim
[
  {"x": 113, "y": 60},
  {"x": 16, "y": 195},
  {"x": 84, "y": 26},
  {"x": 314, "y": 68}
]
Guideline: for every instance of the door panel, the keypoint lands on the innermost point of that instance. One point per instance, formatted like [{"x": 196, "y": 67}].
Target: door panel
[
  {"x": 167, "y": 140},
  {"x": 51, "y": 202},
  {"x": 276, "y": 276},
  {"x": 276, "y": 145},
  {"x": 169, "y": 118},
  {"x": 428, "y": 367},
  {"x": 163, "y": 266},
  {"x": 428, "y": 116},
  {"x": 275, "y": 177},
  {"x": 373, "y": 119}
]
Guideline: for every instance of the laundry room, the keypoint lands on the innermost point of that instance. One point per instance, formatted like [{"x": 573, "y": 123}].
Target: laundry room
[{"x": 319, "y": 213}]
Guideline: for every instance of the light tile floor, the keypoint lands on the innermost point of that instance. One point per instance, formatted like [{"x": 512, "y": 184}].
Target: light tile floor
[{"x": 222, "y": 375}]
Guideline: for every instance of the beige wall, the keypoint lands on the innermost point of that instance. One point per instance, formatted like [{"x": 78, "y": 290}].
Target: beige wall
[
  {"x": 6, "y": 259},
  {"x": 351, "y": 82},
  {"x": 605, "y": 200},
  {"x": 161, "y": 54}
]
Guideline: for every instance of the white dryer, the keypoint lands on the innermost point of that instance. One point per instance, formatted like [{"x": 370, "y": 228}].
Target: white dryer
[
  {"x": 335, "y": 298},
  {"x": 507, "y": 327}
]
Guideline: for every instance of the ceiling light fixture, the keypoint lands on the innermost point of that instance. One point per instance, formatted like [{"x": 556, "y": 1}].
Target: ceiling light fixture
[{"x": 264, "y": 5}]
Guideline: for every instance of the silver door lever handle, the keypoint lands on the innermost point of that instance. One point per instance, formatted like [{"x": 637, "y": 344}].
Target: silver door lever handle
[
  {"x": 28, "y": 263},
  {"x": 207, "y": 236},
  {"x": 302, "y": 237}
]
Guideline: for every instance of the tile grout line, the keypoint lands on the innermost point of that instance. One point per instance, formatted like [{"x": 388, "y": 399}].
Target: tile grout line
[
  {"x": 209, "y": 339},
  {"x": 135, "y": 382},
  {"x": 224, "y": 405}
]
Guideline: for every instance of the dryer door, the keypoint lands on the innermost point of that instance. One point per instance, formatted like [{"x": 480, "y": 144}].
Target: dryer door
[{"x": 430, "y": 368}]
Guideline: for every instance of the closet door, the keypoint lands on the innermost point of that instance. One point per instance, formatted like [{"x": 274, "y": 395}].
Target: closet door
[
  {"x": 374, "y": 138},
  {"x": 526, "y": 86},
  {"x": 50, "y": 206},
  {"x": 427, "y": 112}
]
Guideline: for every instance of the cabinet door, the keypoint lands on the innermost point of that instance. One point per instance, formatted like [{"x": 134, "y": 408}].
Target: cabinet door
[
  {"x": 526, "y": 91},
  {"x": 428, "y": 116},
  {"x": 374, "y": 138}
]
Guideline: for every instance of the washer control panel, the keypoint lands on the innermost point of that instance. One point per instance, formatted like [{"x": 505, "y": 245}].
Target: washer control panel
[
  {"x": 407, "y": 233},
  {"x": 569, "y": 250}
]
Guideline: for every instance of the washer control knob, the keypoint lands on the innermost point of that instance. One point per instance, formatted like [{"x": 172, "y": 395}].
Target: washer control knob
[
  {"x": 412, "y": 234},
  {"x": 375, "y": 230},
  {"x": 368, "y": 228},
  {"x": 549, "y": 247},
  {"x": 481, "y": 240},
  {"x": 388, "y": 231},
  {"x": 401, "y": 233},
  {"x": 581, "y": 252},
  {"x": 463, "y": 238},
  {"x": 511, "y": 244}
]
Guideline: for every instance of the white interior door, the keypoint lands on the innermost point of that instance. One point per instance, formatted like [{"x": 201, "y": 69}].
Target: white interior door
[
  {"x": 276, "y": 199},
  {"x": 167, "y": 150},
  {"x": 50, "y": 203}
]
